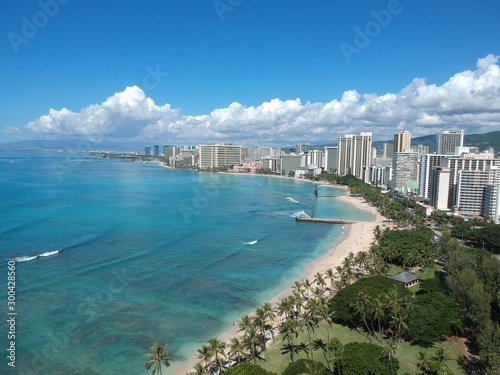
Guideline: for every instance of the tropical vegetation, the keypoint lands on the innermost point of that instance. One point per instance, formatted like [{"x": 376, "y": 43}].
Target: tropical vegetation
[{"x": 459, "y": 295}]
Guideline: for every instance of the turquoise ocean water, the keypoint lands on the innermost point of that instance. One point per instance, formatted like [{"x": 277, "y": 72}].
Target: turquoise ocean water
[{"x": 112, "y": 256}]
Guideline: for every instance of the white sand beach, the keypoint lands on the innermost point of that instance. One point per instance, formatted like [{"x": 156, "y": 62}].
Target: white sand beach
[{"x": 357, "y": 237}]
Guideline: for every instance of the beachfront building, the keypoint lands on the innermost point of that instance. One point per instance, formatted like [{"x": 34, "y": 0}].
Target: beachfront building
[
  {"x": 438, "y": 187},
  {"x": 289, "y": 163},
  {"x": 380, "y": 172},
  {"x": 354, "y": 153},
  {"x": 448, "y": 140},
  {"x": 147, "y": 150},
  {"x": 405, "y": 172},
  {"x": 427, "y": 163},
  {"x": 219, "y": 155},
  {"x": 271, "y": 163},
  {"x": 156, "y": 150},
  {"x": 491, "y": 203},
  {"x": 169, "y": 153},
  {"x": 185, "y": 158},
  {"x": 331, "y": 159},
  {"x": 471, "y": 186},
  {"x": 315, "y": 159},
  {"x": 265, "y": 152},
  {"x": 402, "y": 141},
  {"x": 467, "y": 162}
]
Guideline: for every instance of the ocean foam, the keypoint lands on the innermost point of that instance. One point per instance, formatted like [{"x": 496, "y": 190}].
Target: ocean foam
[
  {"x": 24, "y": 259},
  {"x": 28, "y": 258},
  {"x": 48, "y": 254},
  {"x": 297, "y": 213},
  {"x": 291, "y": 200},
  {"x": 251, "y": 242}
]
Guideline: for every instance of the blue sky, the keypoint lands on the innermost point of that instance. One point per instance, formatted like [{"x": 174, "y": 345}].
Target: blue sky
[{"x": 91, "y": 62}]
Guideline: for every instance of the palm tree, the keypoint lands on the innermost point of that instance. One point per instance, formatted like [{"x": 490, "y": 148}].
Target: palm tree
[
  {"x": 199, "y": 369},
  {"x": 319, "y": 279},
  {"x": 439, "y": 358},
  {"x": 392, "y": 301},
  {"x": 324, "y": 315},
  {"x": 217, "y": 348},
  {"x": 307, "y": 286},
  {"x": 319, "y": 344},
  {"x": 289, "y": 331},
  {"x": 378, "y": 311},
  {"x": 159, "y": 355},
  {"x": 310, "y": 322},
  {"x": 259, "y": 322},
  {"x": 298, "y": 289},
  {"x": 270, "y": 315},
  {"x": 424, "y": 363},
  {"x": 252, "y": 342},
  {"x": 330, "y": 274},
  {"x": 337, "y": 353},
  {"x": 244, "y": 323},
  {"x": 389, "y": 350},
  {"x": 285, "y": 306},
  {"x": 378, "y": 233},
  {"x": 399, "y": 322},
  {"x": 205, "y": 356},
  {"x": 298, "y": 303},
  {"x": 237, "y": 349},
  {"x": 361, "y": 308}
]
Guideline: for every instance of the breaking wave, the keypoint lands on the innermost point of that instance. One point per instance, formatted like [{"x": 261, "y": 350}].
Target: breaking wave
[{"x": 28, "y": 258}]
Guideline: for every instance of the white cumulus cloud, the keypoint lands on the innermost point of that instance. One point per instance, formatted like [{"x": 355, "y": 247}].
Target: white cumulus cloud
[{"x": 468, "y": 100}]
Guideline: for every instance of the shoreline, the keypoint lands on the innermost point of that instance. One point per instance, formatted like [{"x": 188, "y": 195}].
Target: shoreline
[{"x": 357, "y": 237}]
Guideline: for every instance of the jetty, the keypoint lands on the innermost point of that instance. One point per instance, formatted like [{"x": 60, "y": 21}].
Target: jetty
[{"x": 304, "y": 217}]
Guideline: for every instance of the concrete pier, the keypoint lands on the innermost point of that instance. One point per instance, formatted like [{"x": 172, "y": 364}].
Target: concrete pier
[{"x": 326, "y": 221}]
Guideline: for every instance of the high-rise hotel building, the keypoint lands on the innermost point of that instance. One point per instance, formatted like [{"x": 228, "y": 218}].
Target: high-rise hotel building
[
  {"x": 427, "y": 163},
  {"x": 402, "y": 141},
  {"x": 471, "y": 187},
  {"x": 448, "y": 140},
  {"x": 219, "y": 155},
  {"x": 405, "y": 167},
  {"x": 467, "y": 162},
  {"x": 354, "y": 153}
]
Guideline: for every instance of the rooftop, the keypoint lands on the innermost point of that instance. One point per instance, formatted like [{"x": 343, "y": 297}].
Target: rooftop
[{"x": 405, "y": 277}]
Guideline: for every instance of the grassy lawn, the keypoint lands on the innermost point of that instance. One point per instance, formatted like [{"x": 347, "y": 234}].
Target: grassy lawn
[{"x": 406, "y": 354}]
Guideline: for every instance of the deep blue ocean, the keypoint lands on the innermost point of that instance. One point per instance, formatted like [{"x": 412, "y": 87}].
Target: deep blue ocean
[{"x": 112, "y": 256}]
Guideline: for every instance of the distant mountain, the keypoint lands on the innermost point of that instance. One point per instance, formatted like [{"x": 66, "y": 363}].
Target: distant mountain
[
  {"x": 483, "y": 141},
  {"x": 72, "y": 145}
]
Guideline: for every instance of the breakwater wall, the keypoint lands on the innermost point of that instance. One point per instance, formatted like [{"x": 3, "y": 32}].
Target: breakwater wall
[{"x": 326, "y": 221}]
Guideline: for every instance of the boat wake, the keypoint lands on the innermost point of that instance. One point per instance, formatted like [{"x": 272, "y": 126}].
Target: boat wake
[
  {"x": 291, "y": 200},
  {"x": 28, "y": 258},
  {"x": 250, "y": 243}
]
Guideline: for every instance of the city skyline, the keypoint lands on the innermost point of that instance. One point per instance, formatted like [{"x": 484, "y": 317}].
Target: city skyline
[{"x": 203, "y": 72}]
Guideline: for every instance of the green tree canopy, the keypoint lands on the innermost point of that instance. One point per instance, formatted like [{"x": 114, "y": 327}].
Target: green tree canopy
[
  {"x": 407, "y": 247},
  {"x": 376, "y": 287},
  {"x": 247, "y": 368},
  {"x": 366, "y": 359},
  {"x": 434, "y": 316},
  {"x": 303, "y": 366}
]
